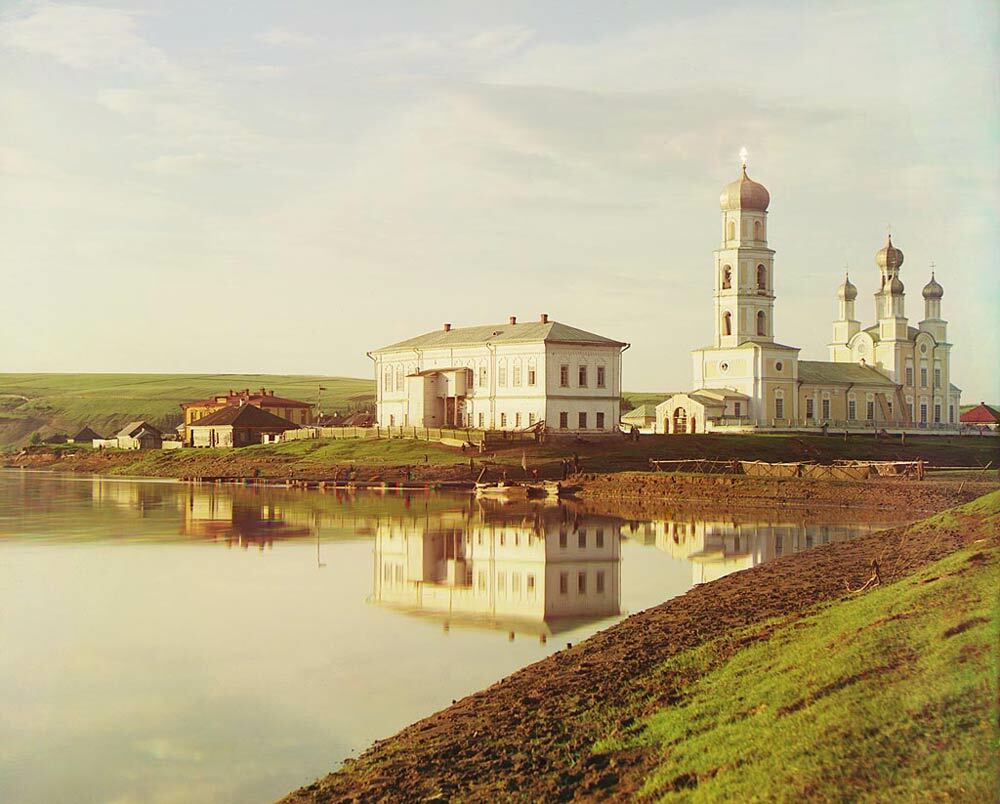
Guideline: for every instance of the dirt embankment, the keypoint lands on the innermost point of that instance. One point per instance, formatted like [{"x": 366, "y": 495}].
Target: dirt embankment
[
  {"x": 646, "y": 492},
  {"x": 530, "y": 736}
]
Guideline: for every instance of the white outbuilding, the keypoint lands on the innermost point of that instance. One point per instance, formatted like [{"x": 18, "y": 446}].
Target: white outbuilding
[{"x": 502, "y": 377}]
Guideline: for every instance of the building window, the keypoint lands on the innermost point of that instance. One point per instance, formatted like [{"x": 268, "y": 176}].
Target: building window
[
  {"x": 809, "y": 408},
  {"x": 482, "y": 581},
  {"x": 582, "y": 421},
  {"x": 937, "y": 413},
  {"x": 951, "y": 414},
  {"x": 727, "y": 323},
  {"x": 562, "y": 540},
  {"x": 517, "y": 374},
  {"x": 581, "y": 540},
  {"x": 482, "y": 420},
  {"x": 502, "y": 376},
  {"x": 482, "y": 376},
  {"x": 732, "y": 230},
  {"x": 600, "y": 376},
  {"x": 582, "y": 376},
  {"x": 531, "y": 376},
  {"x": 387, "y": 380},
  {"x": 392, "y": 420},
  {"x": 756, "y": 230},
  {"x": 600, "y": 582},
  {"x": 503, "y": 419},
  {"x": 563, "y": 420},
  {"x": 738, "y": 409},
  {"x": 531, "y": 419},
  {"x": 399, "y": 378},
  {"x": 909, "y": 375},
  {"x": 923, "y": 413},
  {"x": 517, "y": 420},
  {"x": 761, "y": 277},
  {"x": 852, "y": 409},
  {"x": 515, "y": 583},
  {"x": 826, "y": 408},
  {"x": 937, "y": 376},
  {"x": 563, "y": 583},
  {"x": 564, "y": 376},
  {"x": 761, "y": 323},
  {"x": 599, "y": 537},
  {"x": 779, "y": 408},
  {"x": 529, "y": 582},
  {"x": 600, "y": 421},
  {"x": 581, "y": 583},
  {"x": 727, "y": 277},
  {"x": 923, "y": 376},
  {"x": 501, "y": 582},
  {"x": 870, "y": 411}
]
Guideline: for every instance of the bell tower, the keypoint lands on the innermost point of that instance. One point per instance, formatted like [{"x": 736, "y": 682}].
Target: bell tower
[{"x": 744, "y": 265}]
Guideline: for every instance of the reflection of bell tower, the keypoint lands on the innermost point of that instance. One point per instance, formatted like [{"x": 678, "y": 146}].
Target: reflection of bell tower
[{"x": 744, "y": 278}]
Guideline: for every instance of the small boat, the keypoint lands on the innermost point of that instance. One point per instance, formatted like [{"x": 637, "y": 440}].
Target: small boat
[{"x": 502, "y": 490}]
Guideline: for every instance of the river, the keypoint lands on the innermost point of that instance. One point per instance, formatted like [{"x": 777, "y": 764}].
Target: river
[{"x": 168, "y": 642}]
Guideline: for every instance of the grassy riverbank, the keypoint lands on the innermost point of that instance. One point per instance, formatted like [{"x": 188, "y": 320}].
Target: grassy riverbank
[
  {"x": 777, "y": 682},
  {"x": 399, "y": 459}
]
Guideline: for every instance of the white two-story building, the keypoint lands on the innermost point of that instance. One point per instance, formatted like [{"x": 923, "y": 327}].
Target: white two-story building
[{"x": 502, "y": 377}]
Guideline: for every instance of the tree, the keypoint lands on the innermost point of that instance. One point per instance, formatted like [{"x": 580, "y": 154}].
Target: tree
[{"x": 36, "y": 438}]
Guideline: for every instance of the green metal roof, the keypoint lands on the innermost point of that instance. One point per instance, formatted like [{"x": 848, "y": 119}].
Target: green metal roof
[
  {"x": 641, "y": 412},
  {"x": 821, "y": 372},
  {"x": 532, "y": 332}
]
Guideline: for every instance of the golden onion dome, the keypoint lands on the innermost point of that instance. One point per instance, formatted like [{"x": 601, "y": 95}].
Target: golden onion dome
[
  {"x": 889, "y": 256},
  {"x": 744, "y": 193},
  {"x": 895, "y": 286},
  {"x": 847, "y": 291},
  {"x": 932, "y": 290}
]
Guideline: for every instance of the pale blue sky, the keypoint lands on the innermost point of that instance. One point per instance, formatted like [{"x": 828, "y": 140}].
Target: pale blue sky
[{"x": 280, "y": 187}]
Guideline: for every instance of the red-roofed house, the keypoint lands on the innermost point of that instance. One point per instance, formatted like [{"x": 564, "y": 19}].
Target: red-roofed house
[
  {"x": 293, "y": 410},
  {"x": 238, "y": 426},
  {"x": 982, "y": 415}
]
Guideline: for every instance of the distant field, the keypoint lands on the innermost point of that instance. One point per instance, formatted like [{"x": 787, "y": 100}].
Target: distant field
[{"x": 63, "y": 403}]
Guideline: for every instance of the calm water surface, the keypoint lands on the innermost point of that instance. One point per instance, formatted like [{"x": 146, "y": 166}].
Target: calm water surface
[{"x": 167, "y": 642}]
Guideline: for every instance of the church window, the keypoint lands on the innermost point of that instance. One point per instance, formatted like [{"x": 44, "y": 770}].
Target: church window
[
  {"x": 852, "y": 409},
  {"x": 937, "y": 413},
  {"x": 870, "y": 411},
  {"x": 779, "y": 366},
  {"x": 582, "y": 376},
  {"x": 503, "y": 420},
  {"x": 387, "y": 380},
  {"x": 937, "y": 376},
  {"x": 600, "y": 421},
  {"x": 756, "y": 230},
  {"x": 517, "y": 420},
  {"x": 563, "y": 583},
  {"x": 761, "y": 277},
  {"x": 531, "y": 419},
  {"x": 923, "y": 375},
  {"x": 727, "y": 277},
  {"x": 563, "y": 420},
  {"x": 951, "y": 414},
  {"x": 600, "y": 582},
  {"x": 564, "y": 376},
  {"x": 909, "y": 374},
  {"x": 732, "y": 230},
  {"x": 502, "y": 376},
  {"x": 531, "y": 376},
  {"x": 923, "y": 413},
  {"x": 600, "y": 376},
  {"x": 727, "y": 323},
  {"x": 723, "y": 367},
  {"x": 581, "y": 582},
  {"x": 809, "y": 408},
  {"x": 779, "y": 408},
  {"x": 583, "y": 421},
  {"x": 482, "y": 376},
  {"x": 826, "y": 408},
  {"x": 482, "y": 421},
  {"x": 517, "y": 374},
  {"x": 761, "y": 323}
]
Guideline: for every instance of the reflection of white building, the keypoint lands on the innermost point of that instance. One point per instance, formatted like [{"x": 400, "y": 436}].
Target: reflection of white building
[
  {"x": 518, "y": 574},
  {"x": 718, "y": 548}
]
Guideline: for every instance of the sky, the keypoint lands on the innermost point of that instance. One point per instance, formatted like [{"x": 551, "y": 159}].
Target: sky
[{"x": 283, "y": 186}]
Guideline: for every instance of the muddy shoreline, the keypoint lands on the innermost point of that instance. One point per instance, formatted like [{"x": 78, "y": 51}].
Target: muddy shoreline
[{"x": 530, "y": 736}]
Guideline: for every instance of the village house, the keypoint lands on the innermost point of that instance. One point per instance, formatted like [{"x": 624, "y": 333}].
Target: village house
[
  {"x": 641, "y": 418},
  {"x": 502, "y": 377},
  {"x": 982, "y": 417},
  {"x": 86, "y": 436},
  {"x": 886, "y": 375},
  {"x": 238, "y": 426},
  {"x": 292, "y": 410},
  {"x": 139, "y": 434}
]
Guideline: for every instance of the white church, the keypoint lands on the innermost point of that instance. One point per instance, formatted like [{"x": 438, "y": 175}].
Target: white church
[{"x": 889, "y": 374}]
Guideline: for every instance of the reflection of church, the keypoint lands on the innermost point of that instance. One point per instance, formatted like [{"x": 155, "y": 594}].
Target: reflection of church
[
  {"x": 539, "y": 572},
  {"x": 889, "y": 374},
  {"x": 718, "y": 548}
]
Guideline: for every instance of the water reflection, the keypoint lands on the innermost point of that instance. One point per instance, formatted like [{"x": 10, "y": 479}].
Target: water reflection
[{"x": 537, "y": 571}]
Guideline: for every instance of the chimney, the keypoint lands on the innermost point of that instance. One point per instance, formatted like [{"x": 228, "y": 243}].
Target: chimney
[
  {"x": 545, "y": 318},
  {"x": 447, "y": 327},
  {"x": 513, "y": 320}
]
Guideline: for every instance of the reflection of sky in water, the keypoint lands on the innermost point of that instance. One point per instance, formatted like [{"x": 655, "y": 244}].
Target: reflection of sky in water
[{"x": 163, "y": 642}]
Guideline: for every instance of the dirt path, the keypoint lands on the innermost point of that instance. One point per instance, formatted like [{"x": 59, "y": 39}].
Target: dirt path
[{"x": 529, "y": 737}]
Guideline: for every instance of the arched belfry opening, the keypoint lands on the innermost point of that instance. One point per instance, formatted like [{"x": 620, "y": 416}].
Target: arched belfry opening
[
  {"x": 761, "y": 323},
  {"x": 761, "y": 277},
  {"x": 727, "y": 277},
  {"x": 727, "y": 323}
]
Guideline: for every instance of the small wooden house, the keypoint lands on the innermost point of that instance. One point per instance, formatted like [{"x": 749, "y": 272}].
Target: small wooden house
[
  {"x": 237, "y": 426},
  {"x": 85, "y": 436},
  {"x": 139, "y": 434}
]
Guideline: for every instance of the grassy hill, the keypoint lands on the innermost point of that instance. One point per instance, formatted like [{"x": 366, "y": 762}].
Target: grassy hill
[{"x": 53, "y": 403}]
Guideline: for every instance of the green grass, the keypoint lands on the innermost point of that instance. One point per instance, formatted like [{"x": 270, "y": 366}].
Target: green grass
[
  {"x": 890, "y": 695},
  {"x": 66, "y": 402}
]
